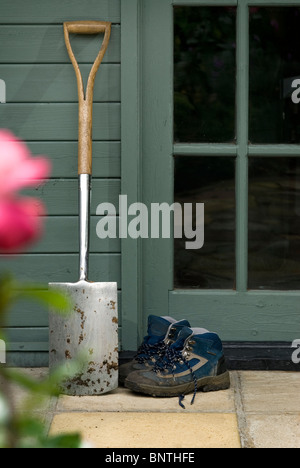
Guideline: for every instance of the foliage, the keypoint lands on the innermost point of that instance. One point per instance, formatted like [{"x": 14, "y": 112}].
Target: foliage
[{"x": 20, "y": 428}]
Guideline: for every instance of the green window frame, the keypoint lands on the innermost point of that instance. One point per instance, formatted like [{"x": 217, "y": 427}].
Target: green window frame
[{"x": 239, "y": 312}]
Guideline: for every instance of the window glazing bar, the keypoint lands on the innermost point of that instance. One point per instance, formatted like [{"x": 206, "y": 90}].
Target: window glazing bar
[
  {"x": 205, "y": 2},
  {"x": 242, "y": 144},
  {"x": 274, "y": 150},
  {"x": 194, "y": 149}
]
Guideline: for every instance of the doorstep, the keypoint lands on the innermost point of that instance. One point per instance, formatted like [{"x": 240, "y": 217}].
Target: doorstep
[{"x": 260, "y": 410}]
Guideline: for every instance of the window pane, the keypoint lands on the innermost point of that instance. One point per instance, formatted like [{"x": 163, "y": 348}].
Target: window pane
[
  {"x": 209, "y": 181},
  {"x": 274, "y": 75},
  {"x": 204, "y": 74},
  {"x": 274, "y": 223}
]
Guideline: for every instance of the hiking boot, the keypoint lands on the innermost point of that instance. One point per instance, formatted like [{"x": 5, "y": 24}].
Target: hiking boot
[
  {"x": 194, "y": 362},
  {"x": 162, "y": 332}
]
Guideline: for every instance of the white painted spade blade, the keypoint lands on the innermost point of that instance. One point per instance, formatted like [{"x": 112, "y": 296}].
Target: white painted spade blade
[{"x": 90, "y": 334}]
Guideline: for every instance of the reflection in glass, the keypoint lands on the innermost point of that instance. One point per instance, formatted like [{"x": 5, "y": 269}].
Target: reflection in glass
[
  {"x": 209, "y": 181},
  {"x": 274, "y": 69},
  {"x": 204, "y": 74},
  {"x": 274, "y": 223}
]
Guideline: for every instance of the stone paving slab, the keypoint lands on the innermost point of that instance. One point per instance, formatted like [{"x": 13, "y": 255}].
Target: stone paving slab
[
  {"x": 123, "y": 400},
  {"x": 151, "y": 430},
  {"x": 262, "y": 409}
]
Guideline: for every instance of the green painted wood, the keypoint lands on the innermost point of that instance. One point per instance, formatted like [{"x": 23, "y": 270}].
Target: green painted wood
[
  {"x": 64, "y": 158},
  {"x": 45, "y": 44},
  {"x": 46, "y": 268},
  {"x": 196, "y": 149},
  {"x": 28, "y": 346},
  {"x": 40, "y": 122},
  {"x": 205, "y": 2},
  {"x": 235, "y": 2},
  {"x": 271, "y": 2},
  {"x": 242, "y": 141},
  {"x": 131, "y": 168},
  {"x": 27, "y": 313},
  {"x": 157, "y": 147},
  {"x": 57, "y": 83},
  {"x": 274, "y": 150},
  {"x": 252, "y": 316},
  {"x": 27, "y": 359},
  {"x": 61, "y": 196},
  {"x": 61, "y": 236},
  {"x": 42, "y": 109},
  {"x": 235, "y": 315},
  {"x": 57, "y": 11},
  {"x": 27, "y": 339}
]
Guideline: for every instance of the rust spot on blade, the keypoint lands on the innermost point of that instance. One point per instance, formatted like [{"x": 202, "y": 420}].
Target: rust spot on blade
[{"x": 115, "y": 320}]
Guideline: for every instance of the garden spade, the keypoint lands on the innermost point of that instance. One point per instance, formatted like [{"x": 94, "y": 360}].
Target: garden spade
[{"x": 89, "y": 334}]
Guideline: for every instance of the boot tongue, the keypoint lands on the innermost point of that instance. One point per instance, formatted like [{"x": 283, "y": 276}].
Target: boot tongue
[
  {"x": 157, "y": 329},
  {"x": 185, "y": 333}
]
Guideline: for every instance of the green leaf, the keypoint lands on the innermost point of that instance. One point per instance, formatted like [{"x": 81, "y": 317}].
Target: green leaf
[{"x": 63, "y": 441}]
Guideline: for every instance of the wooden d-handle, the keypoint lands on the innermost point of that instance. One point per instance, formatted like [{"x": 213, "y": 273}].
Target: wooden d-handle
[
  {"x": 86, "y": 98},
  {"x": 86, "y": 27}
]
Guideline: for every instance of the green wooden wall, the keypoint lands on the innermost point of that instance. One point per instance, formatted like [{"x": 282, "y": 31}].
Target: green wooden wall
[{"x": 41, "y": 108}]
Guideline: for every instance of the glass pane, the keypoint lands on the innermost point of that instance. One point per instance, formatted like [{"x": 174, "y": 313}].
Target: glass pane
[
  {"x": 204, "y": 74},
  {"x": 274, "y": 223},
  {"x": 210, "y": 181},
  {"x": 274, "y": 75}
]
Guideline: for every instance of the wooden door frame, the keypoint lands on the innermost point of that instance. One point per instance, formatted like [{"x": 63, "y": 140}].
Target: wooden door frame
[{"x": 144, "y": 171}]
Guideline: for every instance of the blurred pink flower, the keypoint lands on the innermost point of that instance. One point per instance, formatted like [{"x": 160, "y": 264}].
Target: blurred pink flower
[{"x": 20, "y": 218}]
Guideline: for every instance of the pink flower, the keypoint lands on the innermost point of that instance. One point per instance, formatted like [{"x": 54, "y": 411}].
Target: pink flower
[{"x": 20, "y": 218}]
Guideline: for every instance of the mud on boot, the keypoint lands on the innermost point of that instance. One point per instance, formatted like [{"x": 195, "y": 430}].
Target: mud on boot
[
  {"x": 194, "y": 362},
  {"x": 162, "y": 332}
]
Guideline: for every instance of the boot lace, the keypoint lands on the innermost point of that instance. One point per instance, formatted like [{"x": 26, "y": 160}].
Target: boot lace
[
  {"x": 169, "y": 361},
  {"x": 146, "y": 352}
]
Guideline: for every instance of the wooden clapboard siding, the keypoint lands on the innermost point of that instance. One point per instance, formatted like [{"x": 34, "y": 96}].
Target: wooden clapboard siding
[
  {"x": 57, "y": 83},
  {"x": 26, "y": 312},
  {"x": 33, "y": 339},
  {"x": 61, "y": 195},
  {"x": 41, "y": 108},
  {"x": 63, "y": 155},
  {"x": 57, "y": 11},
  {"x": 48, "y": 121},
  {"x": 48, "y": 268},
  {"x": 61, "y": 236},
  {"x": 45, "y": 44},
  {"x": 28, "y": 346}
]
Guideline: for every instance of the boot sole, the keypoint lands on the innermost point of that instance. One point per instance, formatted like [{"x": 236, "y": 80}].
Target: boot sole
[{"x": 206, "y": 384}]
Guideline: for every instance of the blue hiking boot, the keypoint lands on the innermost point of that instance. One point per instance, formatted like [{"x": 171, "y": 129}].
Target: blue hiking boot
[
  {"x": 162, "y": 332},
  {"x": 194, "y": 362}
]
